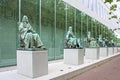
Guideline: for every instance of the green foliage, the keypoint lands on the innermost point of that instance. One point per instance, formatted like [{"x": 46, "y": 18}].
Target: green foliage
[
  {"x": 118, "y": 40},
  {"x": 113, "y": 7},
  {"x": 115, "y": 16},
  {"x": 117, "y": 0},
  {"x": 110, "y": 12},
  {"x": 108, "y": 1}
]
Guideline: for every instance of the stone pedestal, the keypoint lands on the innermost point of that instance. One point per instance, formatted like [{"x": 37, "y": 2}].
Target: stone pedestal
[
  {"x": 74, "y": 56},
  {"x": 118, "y": 49},
  {"x": 32, "y": 63},
  {"x": 115, "y": 49},
  {"x": 110, "y": 50},
  {"x": 103, "y": 52},
  {"x": 92, "y": 53}
]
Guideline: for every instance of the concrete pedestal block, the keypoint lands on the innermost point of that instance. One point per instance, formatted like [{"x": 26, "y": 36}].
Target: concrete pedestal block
[
  {"x": 118, "y": 49},
  {"x": 115, "y": 49},
  {"x": 110, "y": 50},
  {"x": 32, "y": 63},
  {"x": 103, "y": 52},
  {"x": 74, "y": 56},
  {"x": 92, "y": 53}
]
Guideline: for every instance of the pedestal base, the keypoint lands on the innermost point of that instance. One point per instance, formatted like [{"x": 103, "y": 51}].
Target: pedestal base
[
  {"x": 115, "y": 49},
  {"x": 32, "y": 63},
  {"x": 74, "y": 56},
  {"x": 110, "y": 50},
  {"x": 118, "y": 49},
  {"x": 92, "y": 53},
  {"x": 103, "y": 52}
]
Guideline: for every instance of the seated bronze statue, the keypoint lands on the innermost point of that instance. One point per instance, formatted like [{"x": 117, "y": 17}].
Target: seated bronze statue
[
  {"x": 28, "y": 37},
  {"x": 71, "y": 40}
]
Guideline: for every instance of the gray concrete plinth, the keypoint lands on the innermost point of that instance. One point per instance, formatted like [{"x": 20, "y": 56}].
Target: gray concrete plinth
[
  {"x": 32, "y": 63},
  {"x": 110, "y": 51},
  {"x": 115, "y": 49},
  {"x": 74, "y": 56},
  {"x": 92, "y": 53},
  {"x": 103, "y": 52}
]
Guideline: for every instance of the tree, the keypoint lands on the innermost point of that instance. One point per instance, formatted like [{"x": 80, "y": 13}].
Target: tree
[{"x": 113, "y": 8}]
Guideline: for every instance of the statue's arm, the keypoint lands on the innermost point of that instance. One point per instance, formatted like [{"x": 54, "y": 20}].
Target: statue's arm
[
  {"x": 72, "y": 35},
  {"x": 20, "y": 27},
  {"x": 31, "y": 28},
  {"x": 68, "y": 35}
]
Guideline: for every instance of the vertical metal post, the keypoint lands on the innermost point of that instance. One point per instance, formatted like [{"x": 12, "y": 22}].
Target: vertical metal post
[
  {"x": 55, "y": 27},
  {"x": 82, "y": 31},
  {"x": 75, "y": 22},
  {"x": 19, "y": 16},
  {"x": 40, "y": 16},
  {"x": 66, "y": 16},
  {"x": 87, "y": 23},
  {"x": 19, "y": 11}
]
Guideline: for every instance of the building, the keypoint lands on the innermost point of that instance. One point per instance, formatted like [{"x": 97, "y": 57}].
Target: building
[{"x": 51, "y": 19}]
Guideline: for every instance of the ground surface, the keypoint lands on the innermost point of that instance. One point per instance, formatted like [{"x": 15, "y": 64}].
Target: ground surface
[{"x": 107, "y": 71}]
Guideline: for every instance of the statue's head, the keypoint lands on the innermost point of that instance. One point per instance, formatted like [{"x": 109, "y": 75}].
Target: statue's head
[
  {"x": 100, "y": 36},
  {"x": 70, "y": 28},
  {"x": 25, "y": 18},
  {"x": 89, "y": 32}
]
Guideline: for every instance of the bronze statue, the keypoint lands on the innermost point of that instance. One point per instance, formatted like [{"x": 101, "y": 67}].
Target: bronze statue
[
  {"x": 100, "y": 41},
  {"x": 88, "y": 38},
  {"x": 28, "y": 37},
  {"x": 93, "y": 43},
  {"x": 71, "y": 40}
]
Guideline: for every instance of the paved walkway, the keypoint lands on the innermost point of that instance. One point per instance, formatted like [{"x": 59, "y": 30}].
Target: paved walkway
[{"x": 107, "y": 71}]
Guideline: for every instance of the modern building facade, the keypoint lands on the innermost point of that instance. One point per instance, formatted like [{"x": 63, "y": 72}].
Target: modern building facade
[{"x": 51, "y": 19}]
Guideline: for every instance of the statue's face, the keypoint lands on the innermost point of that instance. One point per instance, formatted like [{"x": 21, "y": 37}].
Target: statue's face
[
  {"x": 70, "y": 28},
  {"x": 24, "y": 23}
]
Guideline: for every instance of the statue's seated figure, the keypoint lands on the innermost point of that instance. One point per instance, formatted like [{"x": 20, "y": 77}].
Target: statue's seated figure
[
  {"x": 106, "y": 42},
  {"x": 112, "y": 43},
  {"x": 93, "y": 43},
  {"x": 28, "y": 37},
  {"x": 88, "y": 38},
  {"x": 71, "y": 40},
  {"x": 100, "y": 41}
]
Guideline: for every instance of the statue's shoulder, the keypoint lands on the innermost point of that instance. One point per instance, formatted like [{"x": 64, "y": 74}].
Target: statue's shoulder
[{"x": 20, "y": 25}]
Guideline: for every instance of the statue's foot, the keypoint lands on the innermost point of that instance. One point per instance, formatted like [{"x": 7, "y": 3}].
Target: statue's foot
[
  {"x": 81, "y": 47},
  {"x": 42, "y": 47}
]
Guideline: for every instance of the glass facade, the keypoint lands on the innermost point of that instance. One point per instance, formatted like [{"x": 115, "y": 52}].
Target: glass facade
[
  {"x": 50, "y": 19},
  {"x": 8, "y": 30}
]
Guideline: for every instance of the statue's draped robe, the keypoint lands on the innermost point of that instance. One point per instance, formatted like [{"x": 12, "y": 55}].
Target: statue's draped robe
[
  {"x": 28, "y": 36},
  {"x": 71, "y": 38}
]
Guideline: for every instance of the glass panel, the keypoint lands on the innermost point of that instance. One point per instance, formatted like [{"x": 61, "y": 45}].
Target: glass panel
[
  {"x": 8, "y": 27},
  {"x": 79, "y": 27},
  {"x": 70, "y": 18},
  {"x": 60, "y": 29},
  {"x": 48, "y": 26},
  {"x": 31, "y": 10},
  {"x": 84, "y": 28}
]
